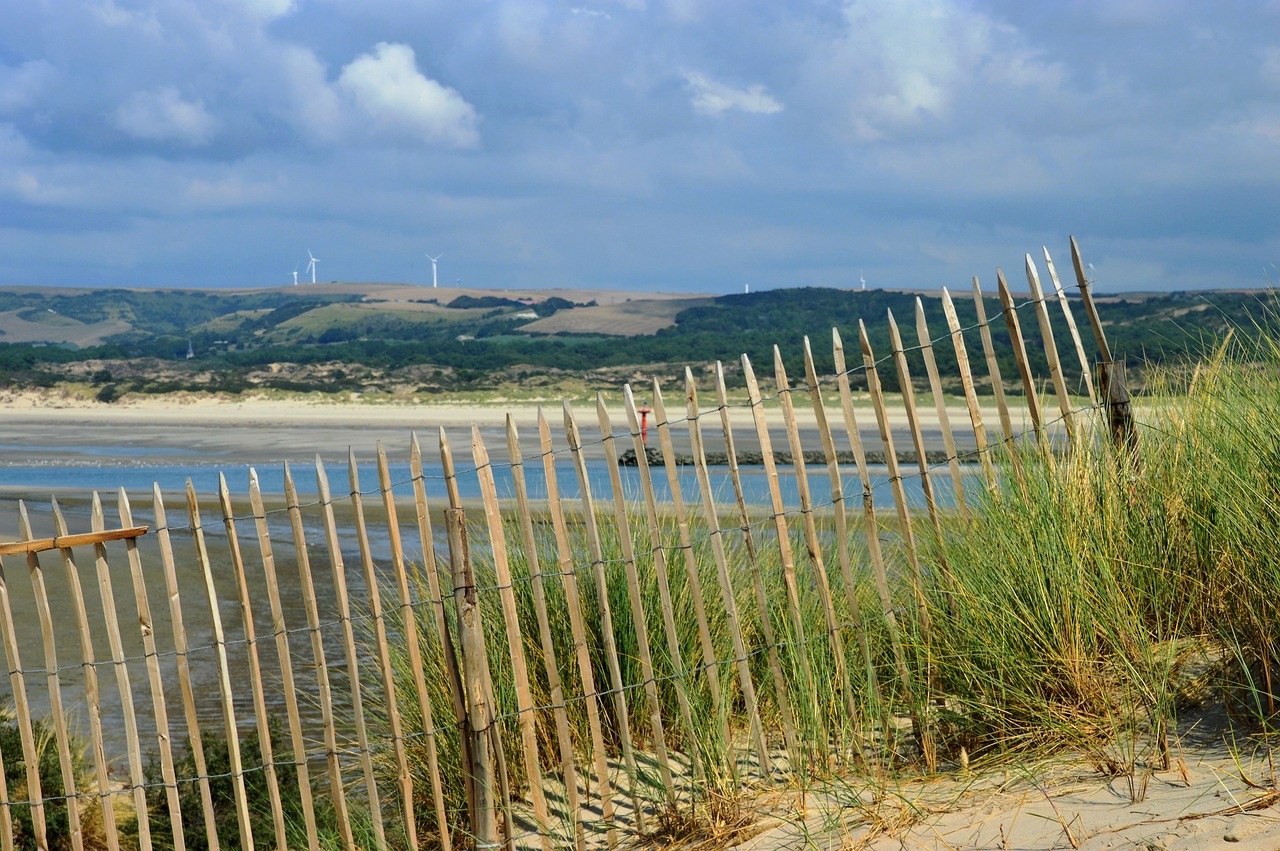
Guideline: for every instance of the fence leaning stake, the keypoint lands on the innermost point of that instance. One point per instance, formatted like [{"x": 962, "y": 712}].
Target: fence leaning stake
[
  {"x": 872, "y": 534},
  {"x": 660, "y": 569},
  {"x": 404, "y": 780},
  {"x": 484, "y": 816},
  {"x": 573, "y": 601},
  {"x": 1020, "y": 355},
  {"x": 515, "y": 636},
  {"x": 255, "y": 665},
  {"x": 413, "y": 645},
  {"x": 781, "y": 694},
  {"x": 555, "y": 686},
  {"x": 1050, "y": 348},
  {"x": 90, "y": 684},
  {"x": 1086, "y": 373},
  {"x": 61, "y": 736},
  {"x": 337, "y": 788},
  {"x": 922, "y": 458},
  {"x": 940, "y": 405},
  {"x": 840, "y": 510},
  {"x": 123, "y": 685},
  {"x": 224, "y": 673},
  {"x": 638, "y": 614},
  {"x": 671, "y": 468},
  {"x": 799, "y": 640},
  {"x": 813, "y": 546},
  {"x": 993, "y": 365},
  {"x": 606, "y": 614},
  {"x": 970, "y": 392},
  {"x": 492, "y": 731},
  {"x": 146, "y": 625},
  {"x": 722, "y": 574},
  {"x": 338, "y": 571},
  {"x": 181, "y": 650},
  {"x": 448, "y": 650},
  {"x": 918, "y": 701},
  {"x": 281, "y": 634},
  {"x": 1111, "y": 379},
  {"x": 22, "y": 714}
]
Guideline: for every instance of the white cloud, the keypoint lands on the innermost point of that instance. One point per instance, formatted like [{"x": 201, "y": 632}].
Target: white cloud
[
  {"x": 312, "y": 101},
  {"x": 713, "y": 98},
  {"x": 904, "y": 62},
  {"x": 387, "y": 86},
  {"x": 161, "y": 115},
  {"x": 264, "y": 9},
  {"x": 23, "y": 84},
  {"x": 111, "y": 15}
]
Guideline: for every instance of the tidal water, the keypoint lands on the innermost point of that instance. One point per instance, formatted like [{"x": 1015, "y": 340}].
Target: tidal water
[{"x": 74, "y": 476}]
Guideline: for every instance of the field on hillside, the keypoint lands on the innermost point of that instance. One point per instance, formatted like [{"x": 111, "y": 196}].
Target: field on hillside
[{"x": 391, "y": 338}]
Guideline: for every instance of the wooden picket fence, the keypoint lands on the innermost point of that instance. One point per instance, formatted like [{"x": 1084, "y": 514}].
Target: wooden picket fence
[{"x": 434, "y": 696}]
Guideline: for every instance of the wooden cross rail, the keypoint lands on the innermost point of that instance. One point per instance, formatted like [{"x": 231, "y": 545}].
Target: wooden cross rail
[{"x": 63, "y": 542}]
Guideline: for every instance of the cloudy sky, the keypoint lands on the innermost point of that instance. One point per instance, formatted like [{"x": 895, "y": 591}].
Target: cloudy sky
[{"x": 637, "y": 144}]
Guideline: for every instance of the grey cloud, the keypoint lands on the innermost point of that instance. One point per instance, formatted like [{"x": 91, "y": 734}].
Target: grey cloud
[{"x": 554, "y": 143}]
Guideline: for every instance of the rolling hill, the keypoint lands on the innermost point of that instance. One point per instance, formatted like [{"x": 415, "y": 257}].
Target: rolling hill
[{"x": 402, "y": 339}]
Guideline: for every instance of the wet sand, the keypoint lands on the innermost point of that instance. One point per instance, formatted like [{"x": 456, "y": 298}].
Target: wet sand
[{"x": 266, "y": 432}]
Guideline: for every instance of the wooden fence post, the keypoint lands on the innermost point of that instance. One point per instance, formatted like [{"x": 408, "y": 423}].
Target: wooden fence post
[
  {"x": 404, "y": 780},
  {"x": 90, "y": 683},
  {"x": 940, "y": 405},
  {"x": 1020, "y": 355},
  {"x": 782, "y": 534},
  {"x": 781, "y": 694},
  {"x": 970, "y": 393},
  {"x": 1085, "y": 372},
  {"x": 659, "y": 553},
  {"x": 872, "y": 532},
  {"x": 1050, "y": 348},
  {"x": 993, "y": 366},
  {"x": 22, "y": 712},
  {"x": 1111, "y": 379},
  {"x": 255, "y": 665},
  {"x": 813, "y": 547},
  {"x": 638, "y": 614},
  {"x": 224, "y": 673},
  {"x": 568, "y": 768},
  {"x": 61, "y": 736},
  {"x": 285, "y": 658},
  {"x": 412, "y": 641},
  {"x": 338, "y": 571},
  {"x": 181, "y": 650},
  {"x": 607, "y": 633},
  {"x": 515, "y": 637},
  {"x": 671, "y": 467},
  {"x": 839, "y": 509},
  {"x": 337, "y": 788},
  {"x": 573, "y": 601},
  {"x": 722, "y": 575},
  {"x": 475, "y": 664},
  {"x": 448, "y": 649}
]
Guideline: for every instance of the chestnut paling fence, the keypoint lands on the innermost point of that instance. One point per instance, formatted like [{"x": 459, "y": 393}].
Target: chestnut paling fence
[{"x": 386, "y": 668}]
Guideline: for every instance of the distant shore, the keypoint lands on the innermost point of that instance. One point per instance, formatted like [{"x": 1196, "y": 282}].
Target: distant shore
[{"x": 186, "y": 429}]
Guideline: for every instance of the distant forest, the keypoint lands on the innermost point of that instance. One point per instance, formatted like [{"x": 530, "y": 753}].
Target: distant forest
[{"x": 233, "y": 336}]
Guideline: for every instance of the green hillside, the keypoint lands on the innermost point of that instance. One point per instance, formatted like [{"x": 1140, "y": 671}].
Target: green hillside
[{"x": 362, "y": 338}]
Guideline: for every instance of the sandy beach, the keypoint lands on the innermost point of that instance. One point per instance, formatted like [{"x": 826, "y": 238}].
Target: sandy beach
[{"x": 45, "y": 427}]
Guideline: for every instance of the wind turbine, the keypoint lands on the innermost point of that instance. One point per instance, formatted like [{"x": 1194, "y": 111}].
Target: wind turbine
[
  {"x": 311, "y": 267},
  {"x": 295, "y": 274},
  {"x": 435, "y": 280},
  {"x": 862, "y": 279}
]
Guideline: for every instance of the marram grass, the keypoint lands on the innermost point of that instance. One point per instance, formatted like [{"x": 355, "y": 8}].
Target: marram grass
[{"x": 1064, "y": 615}]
